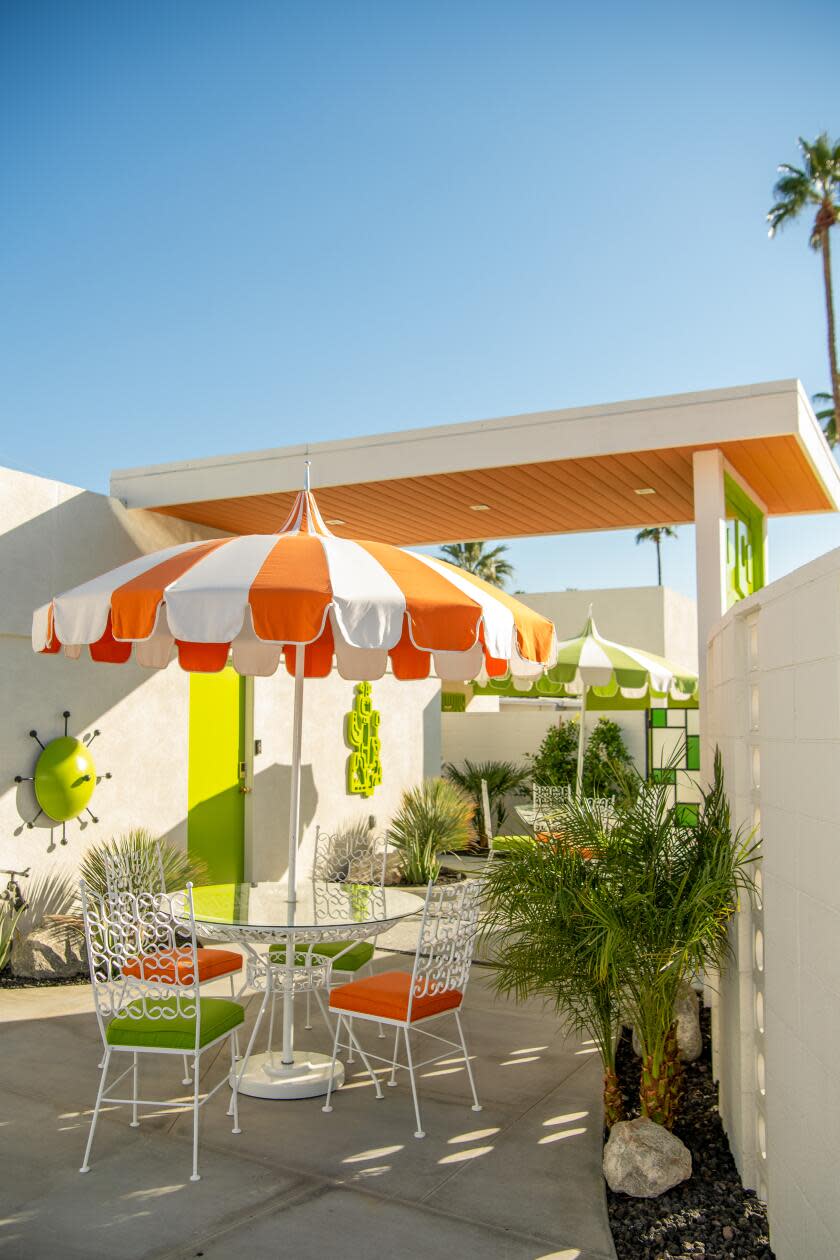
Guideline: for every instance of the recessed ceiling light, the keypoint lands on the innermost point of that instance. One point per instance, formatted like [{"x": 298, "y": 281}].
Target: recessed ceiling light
[
  {"x": 479, "y": 507},
  {"x": 645, "y": 490},
  {"x": 335, "y": 520}
]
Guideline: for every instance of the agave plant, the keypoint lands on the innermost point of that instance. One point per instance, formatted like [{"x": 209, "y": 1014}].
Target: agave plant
[
  {"x": 433, "y": 818},
  {"x": 618, "y": 916},
  {"x": 503, "y": 778},
  {"x": 137, "y": 851}
]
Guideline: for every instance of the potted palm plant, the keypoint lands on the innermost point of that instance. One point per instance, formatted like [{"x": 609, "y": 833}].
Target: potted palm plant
[
  {"x": 614, "y": 915},
  {"x": 434, "y": 817}
]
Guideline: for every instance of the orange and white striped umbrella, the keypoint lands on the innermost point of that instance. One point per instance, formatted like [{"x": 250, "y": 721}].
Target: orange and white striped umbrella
[{"x": 258, "y": 597}]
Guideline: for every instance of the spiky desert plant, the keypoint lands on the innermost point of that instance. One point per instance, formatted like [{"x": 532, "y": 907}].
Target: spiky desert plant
[
  {"x": 137, "y": 851},
  {"x": 503, "y": 778},
  {"x": 534, "y": 904},
  {"x": 433, "y": 818}
]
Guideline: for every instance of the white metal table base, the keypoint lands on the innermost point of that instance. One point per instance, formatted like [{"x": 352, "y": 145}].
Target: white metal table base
[{"x": 266, "y": 1076}]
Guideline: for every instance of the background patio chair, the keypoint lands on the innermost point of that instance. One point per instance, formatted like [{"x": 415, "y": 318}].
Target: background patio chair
[
  {"x": 347, "y": 857},
  {"x": 411, "y": 1000},
  {"x": 144, "y": 970}
]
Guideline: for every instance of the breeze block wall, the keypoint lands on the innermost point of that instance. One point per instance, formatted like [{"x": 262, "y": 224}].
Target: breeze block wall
[{"x": 773, "y": 708}]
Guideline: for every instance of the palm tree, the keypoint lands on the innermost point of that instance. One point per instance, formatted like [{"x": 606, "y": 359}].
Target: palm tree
[
  {"x": 472, "y": 556},
  {"x": 655, "y": 534},
  {"x": 815, "y": 184},
  {"x": 826, "y": 416}
]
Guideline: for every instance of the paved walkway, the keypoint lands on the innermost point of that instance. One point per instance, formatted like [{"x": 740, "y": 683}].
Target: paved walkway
[{"x": 520, "y": 1180}]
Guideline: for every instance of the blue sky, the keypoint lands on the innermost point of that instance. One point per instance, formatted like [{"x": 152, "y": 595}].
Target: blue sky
[{"x": 230, "y": 225}]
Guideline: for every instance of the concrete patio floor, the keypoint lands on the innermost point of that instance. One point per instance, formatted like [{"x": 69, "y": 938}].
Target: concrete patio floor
[{"x": 520, "y": 1180}]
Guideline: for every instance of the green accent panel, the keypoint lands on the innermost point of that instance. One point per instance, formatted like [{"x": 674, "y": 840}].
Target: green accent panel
[
  {"x": 364, "y": 765},
  {"x": 692, "y": 752},
  {"x": 216, "y": 806},
  {"x": 687, "y": 815},
  {"x": 453, "y": 702},
  {"x": 659, "y": 717},
  {"x": 65, "y": 777},
  {"x": 744, "y": 543},
  {"x": 661, "y": 774},
  {"x": 357, "y": 955},
  {"x": 177, "y": 1032}
]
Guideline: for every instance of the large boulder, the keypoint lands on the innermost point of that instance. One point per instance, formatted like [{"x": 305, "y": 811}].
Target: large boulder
[
  {"x": 644, "y": 1160},
  {"x": 689, "y": 1034},
  {"x": 48, "y": 954}
]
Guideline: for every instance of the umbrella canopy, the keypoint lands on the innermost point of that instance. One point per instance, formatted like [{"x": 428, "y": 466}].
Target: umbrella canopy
[
  {"x": 590, "y": 660},
  {"x": 255, "y": 599}
]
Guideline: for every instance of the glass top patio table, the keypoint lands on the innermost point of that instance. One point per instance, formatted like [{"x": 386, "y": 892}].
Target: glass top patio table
[{"x": 323, "y": 910}]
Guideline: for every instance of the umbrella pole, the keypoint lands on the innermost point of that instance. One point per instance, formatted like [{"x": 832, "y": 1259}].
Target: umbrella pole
[
  {"x": 579, "y": 779},
  {"x": 294, "y": 829}
]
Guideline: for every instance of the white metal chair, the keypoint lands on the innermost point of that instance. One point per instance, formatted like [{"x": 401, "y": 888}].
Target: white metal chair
[
  {"x": 432, "y": 990},
  {"x": 146, "y": 994},
  {"x": 128, "y": 871},
  {"x": 343, "y": 858}
]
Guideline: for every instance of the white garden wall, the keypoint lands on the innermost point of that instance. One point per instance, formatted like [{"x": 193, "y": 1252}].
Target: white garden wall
[{"x": 773, "y": 707}]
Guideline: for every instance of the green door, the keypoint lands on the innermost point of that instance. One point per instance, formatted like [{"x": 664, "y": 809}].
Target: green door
[{"x": 215, "y": 800}]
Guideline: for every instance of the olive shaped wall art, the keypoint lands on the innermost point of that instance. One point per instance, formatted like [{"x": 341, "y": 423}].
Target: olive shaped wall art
[{"x": 64, "y": 778}]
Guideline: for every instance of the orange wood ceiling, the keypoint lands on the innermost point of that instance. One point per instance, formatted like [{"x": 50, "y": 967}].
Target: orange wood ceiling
[{"x": 553, "y": 497}]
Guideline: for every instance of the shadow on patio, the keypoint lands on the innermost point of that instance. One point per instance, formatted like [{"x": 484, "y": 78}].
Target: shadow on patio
[{"x": 519, "y": 1181}]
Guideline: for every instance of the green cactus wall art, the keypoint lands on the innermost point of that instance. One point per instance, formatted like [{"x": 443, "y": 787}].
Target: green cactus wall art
[{"x": 364, "y": 765}]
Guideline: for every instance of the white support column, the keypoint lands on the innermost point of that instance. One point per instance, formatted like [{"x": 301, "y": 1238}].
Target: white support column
[{"x": 710, "y": 548}]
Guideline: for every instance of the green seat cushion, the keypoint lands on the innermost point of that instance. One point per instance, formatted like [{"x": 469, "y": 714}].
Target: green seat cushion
[
  {"x": 177, "y": 1032},
  {"x": 357, "y": 954}
]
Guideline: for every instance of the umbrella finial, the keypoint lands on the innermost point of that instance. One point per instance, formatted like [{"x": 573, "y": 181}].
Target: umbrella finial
[{"x": 307, "y": 463}]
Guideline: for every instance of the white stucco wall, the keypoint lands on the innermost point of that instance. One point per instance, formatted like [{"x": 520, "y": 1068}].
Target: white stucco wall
[
  {"x": 773, "y": 707},
  {"x": 54, "y": 536},
  {"x": 652, "y": 617}
]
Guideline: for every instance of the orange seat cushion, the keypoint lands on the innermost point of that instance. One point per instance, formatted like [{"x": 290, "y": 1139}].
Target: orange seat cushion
[
  {"x": 386, "y": 997},
  {"x": 171, "y": 966}
]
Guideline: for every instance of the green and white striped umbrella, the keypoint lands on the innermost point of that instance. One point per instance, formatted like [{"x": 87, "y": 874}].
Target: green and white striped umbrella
[{"x": 591, "y": 661}]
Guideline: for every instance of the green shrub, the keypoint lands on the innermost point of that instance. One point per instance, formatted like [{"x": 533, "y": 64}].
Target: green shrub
[
  {"x": 555, "y": 762},
  {"x": 435, "y": 817}
]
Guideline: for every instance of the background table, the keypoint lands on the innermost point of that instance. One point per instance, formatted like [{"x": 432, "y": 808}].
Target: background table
[{"x": 264, "y": 913}]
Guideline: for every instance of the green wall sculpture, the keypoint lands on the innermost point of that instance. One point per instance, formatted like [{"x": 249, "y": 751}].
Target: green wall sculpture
[
  {"x": 364, "y": 765},
  {"x": 64, "y": 778}
]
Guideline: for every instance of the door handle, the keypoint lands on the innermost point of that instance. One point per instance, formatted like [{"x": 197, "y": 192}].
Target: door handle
[{"x": 244, "y": 789}]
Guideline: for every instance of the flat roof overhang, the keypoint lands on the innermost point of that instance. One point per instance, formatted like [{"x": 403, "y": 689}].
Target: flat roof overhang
[{"x": 549, "y": 472}]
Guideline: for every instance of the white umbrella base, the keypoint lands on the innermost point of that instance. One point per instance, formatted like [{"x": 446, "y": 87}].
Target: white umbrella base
[{"x": 308, "y": 1077}]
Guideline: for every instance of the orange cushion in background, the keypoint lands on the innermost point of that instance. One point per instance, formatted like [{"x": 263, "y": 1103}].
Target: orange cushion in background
[
  {"x": 171, "y": 966},
  {"x": 386, "y": 996}
]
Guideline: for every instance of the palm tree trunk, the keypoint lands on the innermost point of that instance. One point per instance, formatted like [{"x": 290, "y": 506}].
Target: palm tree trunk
[
  {"x": 613, "y": 1101},
  {"x": 829, "y": 311},
  {"x": 659, "y": 562}
]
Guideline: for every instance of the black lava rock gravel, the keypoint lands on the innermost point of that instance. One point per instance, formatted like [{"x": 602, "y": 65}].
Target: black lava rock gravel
[{"x": 709, "y": 1215}]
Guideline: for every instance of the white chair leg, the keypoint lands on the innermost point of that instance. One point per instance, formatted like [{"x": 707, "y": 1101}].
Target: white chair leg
[
  {"x": 381, "y": 1030},
  {"x": 187, "y": 1078},
  {"x": 232, "y": 985},
  {"x": 393, "y": 1079},
  {"x": 352, "y": 1038},
  {"x": 419, "y": 1131},
  {"x": 327, "y": 1105},
  {"x": 251, "y": 1040},
  {"x": 308, "y": 1023},
  {"x": 467, "y": 1064},
  {"x": 234, "y": 1090},
  {"x": 135, "y": 1082},
  {"x": 85, "y": 1164},
  {"x": 195, "y": 1174}
]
